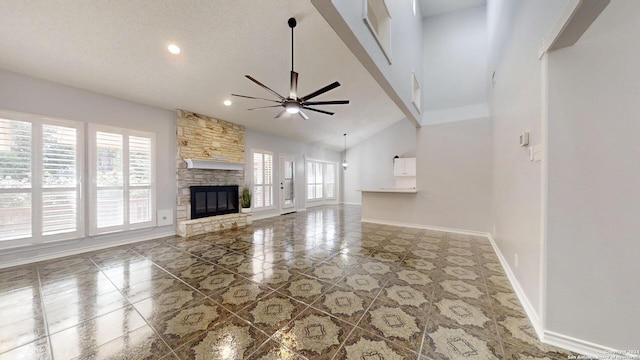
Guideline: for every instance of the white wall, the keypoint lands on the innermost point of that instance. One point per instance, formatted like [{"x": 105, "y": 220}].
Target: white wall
[
  {"x": 371, "y": 161},
  {"x": 30, "y": 95},
  {"x": 594, "y": 173},
  {"x": 455, "y": 47},
  {"x": 453, "y": 180},
  {"x": 302, "y": 151},
  {"x": 516, "y": 106},
  {"x": 406, "y": 45}
]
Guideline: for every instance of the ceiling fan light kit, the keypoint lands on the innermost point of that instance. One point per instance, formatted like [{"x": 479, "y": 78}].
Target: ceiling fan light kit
[{"x": 294, "y": 104}]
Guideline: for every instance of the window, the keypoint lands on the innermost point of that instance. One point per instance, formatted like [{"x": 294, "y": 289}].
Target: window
[
  {"x": 122, "y": 171},
  {"x": 378, "y": 19},
  {"x": 314, "y": 180},
  {"x": 321, "y": 180},
  {"x": 330, "y": 181},
  {"x": 40, "y": 167},
  {"x": 417, "y": 94},
  {"x": 262, "y": 179}
]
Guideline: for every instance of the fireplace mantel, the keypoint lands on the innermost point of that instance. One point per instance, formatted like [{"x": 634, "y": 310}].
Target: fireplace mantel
[{"x": 212, "y": 165}]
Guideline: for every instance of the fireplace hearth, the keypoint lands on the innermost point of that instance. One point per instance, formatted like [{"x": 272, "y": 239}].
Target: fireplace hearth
[{"x": 213, "y": 200}]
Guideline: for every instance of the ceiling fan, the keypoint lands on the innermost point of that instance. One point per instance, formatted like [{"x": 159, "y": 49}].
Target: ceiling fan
[{"x": 294, "y": 104}]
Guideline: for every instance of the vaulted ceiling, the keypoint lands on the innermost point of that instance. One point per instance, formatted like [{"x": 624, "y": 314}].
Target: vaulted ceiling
[{"x": 119, "y": 48}]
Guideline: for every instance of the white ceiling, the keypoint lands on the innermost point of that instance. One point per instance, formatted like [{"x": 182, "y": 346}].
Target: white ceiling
[
  {"x": 435, "y": 7},
  {"x": 118, "y": 48}
]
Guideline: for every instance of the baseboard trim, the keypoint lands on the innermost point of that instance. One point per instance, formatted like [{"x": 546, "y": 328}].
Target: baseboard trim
[
  {"x": 587, "y": 348},
  {"x": 524, "y": 300},
  {"x": 84, "y": 249},
  {"x": 425, "y": 227},
  {"x": 351, "y": 203}
]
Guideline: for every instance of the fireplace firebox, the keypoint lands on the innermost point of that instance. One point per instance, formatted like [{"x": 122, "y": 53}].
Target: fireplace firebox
[{"x": 213, "y": 200}]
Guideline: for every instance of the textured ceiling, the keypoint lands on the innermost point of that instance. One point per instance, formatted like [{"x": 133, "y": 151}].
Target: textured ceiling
[
  {"x": 118, "y": 48},
  {"x": 435, "y": 7}
]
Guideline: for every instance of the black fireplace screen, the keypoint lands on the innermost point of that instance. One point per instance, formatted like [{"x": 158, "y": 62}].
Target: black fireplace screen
[{"x": 213, "y": 200}]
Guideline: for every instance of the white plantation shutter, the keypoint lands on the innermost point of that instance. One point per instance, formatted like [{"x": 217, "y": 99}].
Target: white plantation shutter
[
  {"x": 40, "y": 167},
  {"x": 109, "y": 179},
  {"x": 139, "y": 179},
  {"x": 59, "y": 179},
  {"x": 321, "y": 180},
  {"x": 122, "y": 167},
  {"x": 262, "y": 179},
  {"x": 330, "y": 181},
  {"x": 15, "y": 179}
]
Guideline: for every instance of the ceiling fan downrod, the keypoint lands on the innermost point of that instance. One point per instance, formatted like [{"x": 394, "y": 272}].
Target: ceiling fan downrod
[{"x": 292, "y": 23}]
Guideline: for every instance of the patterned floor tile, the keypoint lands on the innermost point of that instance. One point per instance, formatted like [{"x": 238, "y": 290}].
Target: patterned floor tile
[
  {"x": 68, "y": 309},
  {"x": 273, "y": 350},
  {"x": 167, "y": 303},
  {"x": 456, "y": 343},
  {"x": 21, "y": 318},
  {"x": 364, "y": 345},
  {"x": 241, "y": 294},
  {"x": 232, "y": 338},
  {"x": 274, "y": 277},
  {"x": 403, "y": 326},
  {"x": 189, "y": 322},
  {"x": 406, "y": 296},
  {"x": 38, "y": 349},
  {"x": 272, "y": 312},
  {"x": 314, "y": 334},
  {"x": 323, "y": 283},
  {"x": 305, "y": 289},
  {"x": 87, "y": 337},
  {"x": 217, "y": 282},
  {"x": 362, "y": 283},
  {"x": 345, "y": 304},
  {"x": 142, "y": 343}
]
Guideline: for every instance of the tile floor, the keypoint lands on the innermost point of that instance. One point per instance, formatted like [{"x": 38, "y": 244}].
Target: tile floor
[{"x": 317, "y": 284}]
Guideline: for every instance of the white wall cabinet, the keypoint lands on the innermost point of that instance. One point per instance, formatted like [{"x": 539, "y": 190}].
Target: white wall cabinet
[{"x": 404, "y": 167}]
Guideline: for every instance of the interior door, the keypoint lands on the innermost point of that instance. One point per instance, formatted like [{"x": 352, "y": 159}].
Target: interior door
[{"x": 287, "y": 184}]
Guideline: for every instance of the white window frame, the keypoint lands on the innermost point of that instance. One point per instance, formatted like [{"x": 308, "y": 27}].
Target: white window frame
[
  {"x": 416, "y": 93},
  {"x": 324, "y": 199},
  {"x": 264, "y": 184},
  {"x": 316, "y": 182},
  {"x": 37, "y": 189},
  {"x": 93, "y": 189},
  {"x": 378, "y": 19}
]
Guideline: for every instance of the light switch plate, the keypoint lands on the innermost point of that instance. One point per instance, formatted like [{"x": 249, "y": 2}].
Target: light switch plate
[
  {"x": 524, "y": 138},
  {"x": 537, "y": 153},
  {"x": 165, "y": 217}
]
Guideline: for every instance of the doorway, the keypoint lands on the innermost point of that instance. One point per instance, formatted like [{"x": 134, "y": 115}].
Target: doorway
[{"x": 287, "y": 184}]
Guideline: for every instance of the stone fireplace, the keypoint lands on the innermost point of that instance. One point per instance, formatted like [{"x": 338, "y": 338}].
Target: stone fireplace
[{"x": 203, "y": 139}]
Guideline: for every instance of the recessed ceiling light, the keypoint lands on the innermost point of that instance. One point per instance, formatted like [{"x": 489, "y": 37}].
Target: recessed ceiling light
[
  {"x": 227, "y": 102},
  {"x": 174, "y": 49}
]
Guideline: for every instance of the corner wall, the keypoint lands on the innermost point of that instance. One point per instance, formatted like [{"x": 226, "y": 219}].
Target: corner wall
[
  {"x": 453, "y": 175},
  {"x": 516, "y": 106},
  {"x": 371, "y": 161},
  {"x": 594, "y": 172}
]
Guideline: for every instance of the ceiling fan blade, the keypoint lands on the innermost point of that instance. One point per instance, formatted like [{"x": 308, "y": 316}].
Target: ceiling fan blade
[
  {"x": 318, "y": 110},
  {"x": 321, "y": 91},
  {"x": 264, "y": 107},
  {"x": 303, "y": 115},
  {"x": 280, "y": 113},
  {"x": 334, "y": 102},
  {"x": 256, "y": 98},
  {"x": 265, "y": 87},
  {"x": 294, "y": 85}
]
